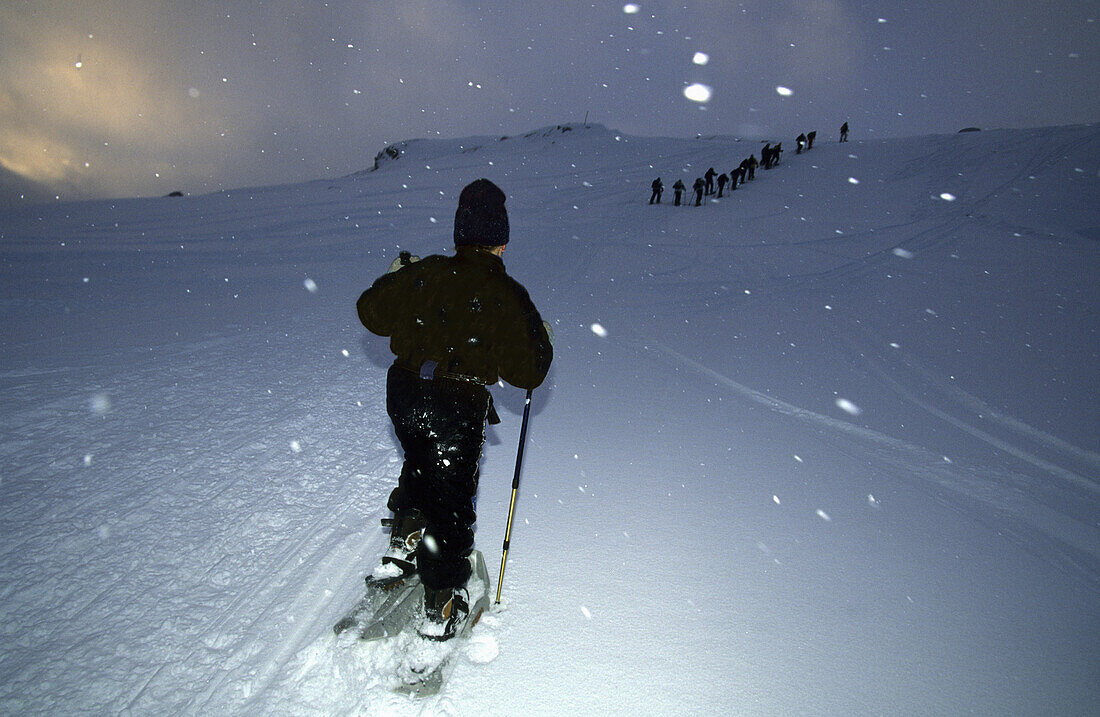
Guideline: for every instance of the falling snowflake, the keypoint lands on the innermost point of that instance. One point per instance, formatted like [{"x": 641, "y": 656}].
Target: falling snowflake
[
  {"x": 848, "y": 407},
  {"x": 100, "y": 404},
  {"x": 698, "y": 92}
]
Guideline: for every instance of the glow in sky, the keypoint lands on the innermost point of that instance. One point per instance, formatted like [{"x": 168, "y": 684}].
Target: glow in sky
[{"x": 121, "y": 97}]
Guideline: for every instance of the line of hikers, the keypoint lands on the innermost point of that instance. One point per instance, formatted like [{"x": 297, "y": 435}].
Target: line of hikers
[{"x": 745, "y": 171}]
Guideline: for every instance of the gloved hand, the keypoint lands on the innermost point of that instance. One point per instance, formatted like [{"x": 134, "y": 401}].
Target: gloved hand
[
  {"x": 403, "y": 259},
  {"x": 549, "y": 332}
]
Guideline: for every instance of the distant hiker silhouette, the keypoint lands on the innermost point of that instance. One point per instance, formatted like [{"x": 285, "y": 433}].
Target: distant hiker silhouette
[
  {"x": 801, "y": 140},
  {"x": 769, "y": 156},
  {"x": 722, "y": 179},
  {"x": 751, "y": 166},
  {"x": 844, "y": 132},
  {"x": 709, "y": 177},
  {"x": 678, "y": 188},
  {"x": 810, "y": 139},
  {"x": 699, "y": 187},
  {"x": 658, "y": 188}
]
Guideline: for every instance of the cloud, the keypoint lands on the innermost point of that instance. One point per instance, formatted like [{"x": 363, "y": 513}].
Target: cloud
[
  {"x": 17, "y": 190},
  {"x": 142, "y": 98},
  {"x": 81, "y": 106}
]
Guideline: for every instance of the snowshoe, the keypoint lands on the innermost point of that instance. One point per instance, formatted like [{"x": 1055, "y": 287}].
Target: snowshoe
[
  {"x": 386, "y": 608},
  {"x": 444, "y": 622}
]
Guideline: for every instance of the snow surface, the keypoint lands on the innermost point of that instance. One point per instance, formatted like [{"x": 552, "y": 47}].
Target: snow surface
[{"x": 825, "y": 446}]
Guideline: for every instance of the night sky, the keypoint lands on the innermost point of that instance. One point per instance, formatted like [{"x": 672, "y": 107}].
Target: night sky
[{"x": 114, "y": 98}]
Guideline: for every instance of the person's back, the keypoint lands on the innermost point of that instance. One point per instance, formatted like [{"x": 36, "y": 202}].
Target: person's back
[{"x": 462, "y": 312}]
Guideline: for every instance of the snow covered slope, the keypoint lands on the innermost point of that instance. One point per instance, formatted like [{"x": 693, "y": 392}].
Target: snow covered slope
[{"x": 828, "y": 445}]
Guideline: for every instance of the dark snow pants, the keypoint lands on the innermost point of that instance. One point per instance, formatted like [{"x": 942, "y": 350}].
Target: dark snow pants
[{"x": 441, "y": 426}]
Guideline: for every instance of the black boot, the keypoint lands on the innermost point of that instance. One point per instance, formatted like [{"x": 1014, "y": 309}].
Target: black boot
[
  {"x": 445, "y": 613},
  {"x": 406, "y": 529}
]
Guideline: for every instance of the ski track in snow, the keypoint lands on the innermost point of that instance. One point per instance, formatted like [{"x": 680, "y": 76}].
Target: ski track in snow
[
  {"x": 195, "y": 453},
  {"x": 148, "y": 493},
  {"x": 995, "y": 488}
]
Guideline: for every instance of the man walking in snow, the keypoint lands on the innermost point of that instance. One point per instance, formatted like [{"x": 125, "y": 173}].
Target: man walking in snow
[
  {"x": 699, "y": 187},
  {"x": 456, "y": 324},
  {"x": 844, "y": 132},
  {"x": 678, "y": 189},
  {"x": 658, "y": 189}
]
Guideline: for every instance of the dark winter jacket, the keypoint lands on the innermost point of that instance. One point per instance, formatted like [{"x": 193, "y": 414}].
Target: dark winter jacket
[{"x": 463, "y": 312}]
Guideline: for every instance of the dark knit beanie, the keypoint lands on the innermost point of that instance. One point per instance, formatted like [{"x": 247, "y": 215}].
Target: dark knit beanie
[{"x": 481, "y": 219}]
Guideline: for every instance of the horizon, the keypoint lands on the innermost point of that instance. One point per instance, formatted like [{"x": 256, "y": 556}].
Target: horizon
[{"x": 369, "y": 166}]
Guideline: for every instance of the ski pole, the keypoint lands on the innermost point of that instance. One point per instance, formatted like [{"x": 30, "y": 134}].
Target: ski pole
[{"x": 515, "y": 489}]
